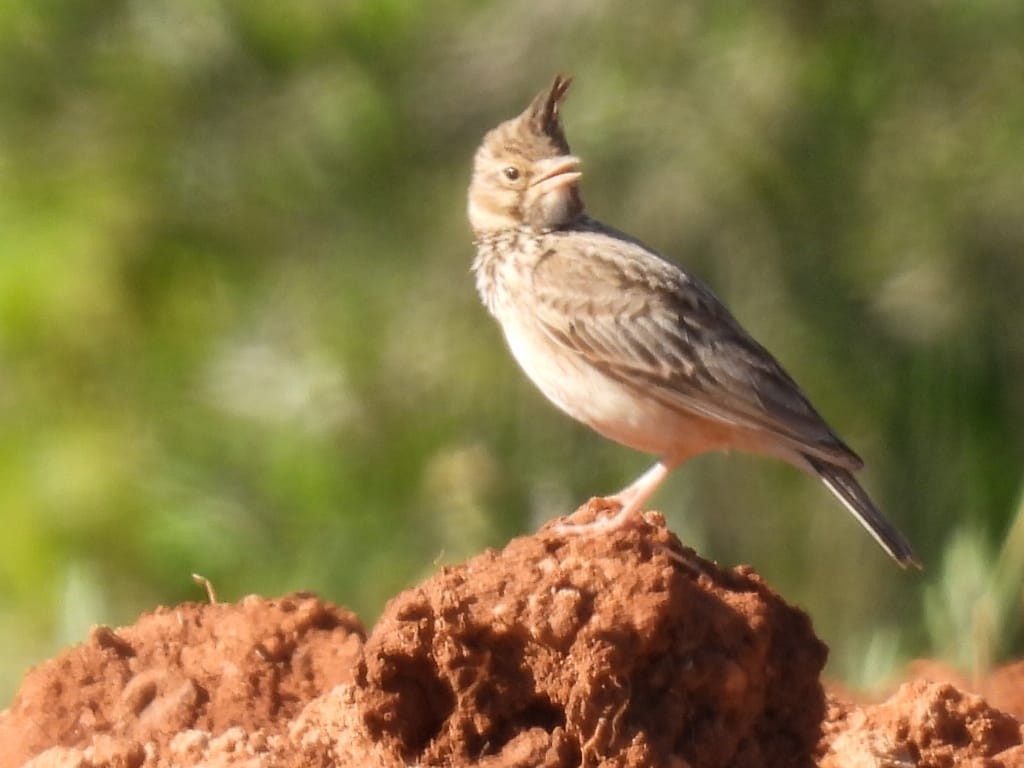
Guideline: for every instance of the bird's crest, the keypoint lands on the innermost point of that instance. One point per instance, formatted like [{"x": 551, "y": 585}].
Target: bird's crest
[{"x": 542, "y": 114}]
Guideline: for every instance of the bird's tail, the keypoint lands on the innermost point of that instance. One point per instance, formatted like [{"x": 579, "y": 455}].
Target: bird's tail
[{"x": 846, "y": 488}]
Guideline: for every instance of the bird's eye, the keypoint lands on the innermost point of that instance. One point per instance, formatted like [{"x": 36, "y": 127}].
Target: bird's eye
[{"x": 510, "y": 172}]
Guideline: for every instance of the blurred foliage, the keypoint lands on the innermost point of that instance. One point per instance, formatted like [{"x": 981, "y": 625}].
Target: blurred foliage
[
  {"x": 973, "y": 610},
  {"x": 238, "y": 335}
]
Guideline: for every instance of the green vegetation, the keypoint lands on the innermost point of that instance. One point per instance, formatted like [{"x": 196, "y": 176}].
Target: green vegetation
[{"x": 238, "y": 335}]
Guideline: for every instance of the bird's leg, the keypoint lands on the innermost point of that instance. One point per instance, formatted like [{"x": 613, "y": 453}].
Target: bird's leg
[
  {"x": 631, "y": 499},
  {"x": 634, "y": 495}
]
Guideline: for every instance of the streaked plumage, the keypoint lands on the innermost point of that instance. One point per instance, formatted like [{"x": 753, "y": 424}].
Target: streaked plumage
[{"x": 626, "y": 341}]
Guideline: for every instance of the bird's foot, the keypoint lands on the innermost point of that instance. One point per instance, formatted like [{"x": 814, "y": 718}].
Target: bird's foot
[
  {"x": 605, "y": 524},
  {"x": 629, "y": 500}
]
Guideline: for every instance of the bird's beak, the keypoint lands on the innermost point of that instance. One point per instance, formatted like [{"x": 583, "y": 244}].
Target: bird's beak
[{"x": 555, "y": 173}]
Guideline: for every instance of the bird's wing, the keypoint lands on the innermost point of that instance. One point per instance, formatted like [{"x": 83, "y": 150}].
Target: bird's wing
[{"x": 644, "y": 322}]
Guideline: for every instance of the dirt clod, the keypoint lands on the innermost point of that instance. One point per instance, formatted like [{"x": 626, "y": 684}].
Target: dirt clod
[
  {"x": 926, "y": 725},
  {"x": 126, "y": 694},
  {"x": 600, "y": 647}
]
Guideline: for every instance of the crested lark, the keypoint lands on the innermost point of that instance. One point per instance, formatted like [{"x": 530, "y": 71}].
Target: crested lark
[{"x": 627, "y": 342}]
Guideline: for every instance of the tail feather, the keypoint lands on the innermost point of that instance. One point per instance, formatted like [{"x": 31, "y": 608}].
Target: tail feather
[{"x": 846, "y": 488}]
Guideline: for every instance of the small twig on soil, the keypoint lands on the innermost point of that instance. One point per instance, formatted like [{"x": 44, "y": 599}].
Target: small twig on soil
[{"x": 206, "y": 584}]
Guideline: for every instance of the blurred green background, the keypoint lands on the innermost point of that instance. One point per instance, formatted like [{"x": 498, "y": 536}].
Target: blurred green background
[{"x": 239, "y": 337}]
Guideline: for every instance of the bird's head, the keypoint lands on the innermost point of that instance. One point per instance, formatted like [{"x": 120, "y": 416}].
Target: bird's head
[{"x": 523, "y": 173}]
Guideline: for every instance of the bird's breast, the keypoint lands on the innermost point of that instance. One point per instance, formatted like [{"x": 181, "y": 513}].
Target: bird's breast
[{"x": 502, "y": 265}]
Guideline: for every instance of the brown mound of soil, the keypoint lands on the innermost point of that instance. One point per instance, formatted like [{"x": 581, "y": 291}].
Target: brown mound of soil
[
  {"x": 926, "y": 725},
  {"x": 580, "y": 649},
  {"x": 129, "y": 692},
  {"x": 1002, "y": 688},
  {"x": 619, "y": 649}
]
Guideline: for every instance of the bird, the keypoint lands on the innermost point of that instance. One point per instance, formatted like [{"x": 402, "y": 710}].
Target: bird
[{"x": 626, "y": 341}]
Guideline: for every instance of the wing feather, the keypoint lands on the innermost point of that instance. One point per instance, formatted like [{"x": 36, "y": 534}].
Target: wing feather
[{"x": 646, "y": 323}]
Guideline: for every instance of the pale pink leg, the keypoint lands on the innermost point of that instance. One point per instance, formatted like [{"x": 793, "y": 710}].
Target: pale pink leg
[{"x": 632, "y": 498}]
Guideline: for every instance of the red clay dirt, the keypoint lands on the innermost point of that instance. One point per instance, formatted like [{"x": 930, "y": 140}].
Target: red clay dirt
[{"x": 619, "y": 649}]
